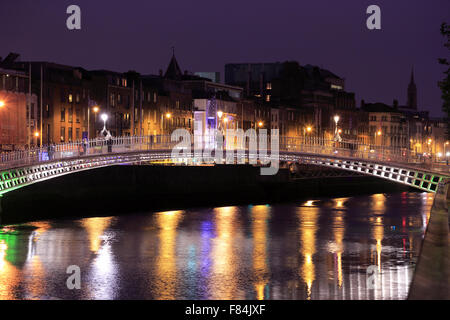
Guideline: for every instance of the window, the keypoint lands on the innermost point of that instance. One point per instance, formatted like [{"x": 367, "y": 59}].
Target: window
[
  {"x": 70, "y": 98},
  {"x": 70, "y": 135},
  {"x": 268, "y": 98},
  {"x": 63, "y": 95},
  {"x": 77, "y": 134},
  {"x": 154, "y": 97},
  {"x": 63, "y": 114},
  {"x": 373, "y": 118},
  {"x": 112, "y": 100},
  {"x": 70, "y": 115},
  {"x": 77, "y": 98},
  {"x": 63, "y": 134},
  {"x": 119, "y": 99},
  {"x": 384, "y": 118},
  {"x": 269, "y": 86},
  {"x": 77, "y": 115}
]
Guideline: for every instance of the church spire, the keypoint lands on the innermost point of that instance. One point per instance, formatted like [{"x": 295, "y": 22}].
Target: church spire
[
  {"x": 173, "y": 70},
  {"x": 412, "y": 92}
]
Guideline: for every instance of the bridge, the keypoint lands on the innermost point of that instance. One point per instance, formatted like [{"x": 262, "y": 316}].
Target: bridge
[{"x": 21, "y": 168}]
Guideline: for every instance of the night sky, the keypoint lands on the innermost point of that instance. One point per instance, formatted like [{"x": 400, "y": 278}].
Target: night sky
[{"x": 137, "y": 34}]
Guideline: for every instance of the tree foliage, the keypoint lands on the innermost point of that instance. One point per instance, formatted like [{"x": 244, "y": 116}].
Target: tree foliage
[{"x": 445, "y": 83}]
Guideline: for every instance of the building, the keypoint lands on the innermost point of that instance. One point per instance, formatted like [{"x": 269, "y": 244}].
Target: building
[
  {"x": 18, "y": 109},
  {"x": 213, "y": 76},
  {"x": 255, "y": 78},
  {"x": 388, "y": 127}
]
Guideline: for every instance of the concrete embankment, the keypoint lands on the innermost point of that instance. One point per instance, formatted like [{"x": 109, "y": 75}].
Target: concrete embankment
[
  {"x": 431, "y": 279},
  {"x": 124, "y": 189}
]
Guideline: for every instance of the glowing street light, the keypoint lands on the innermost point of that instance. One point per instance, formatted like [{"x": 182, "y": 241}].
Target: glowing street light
[
  {"x": 36, "y": 134},
  {"x": 260, "y": 124},
  {"x": 96, "y": 109},
  {"x": 2, "y": 104},
  {"x": 336, "y": 119},
  {"x": 220, "y": 114},
  {"x": 168, "y": 115},
  {"x": 104, "y": 117},
  {"x": 379, "y": 133},
  {"x": 225, "y": 120},
  {"x": 309, "y": 129}
]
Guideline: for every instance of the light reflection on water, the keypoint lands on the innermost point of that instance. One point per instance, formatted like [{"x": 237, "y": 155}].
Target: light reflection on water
[{"x": 315, "y": 249}]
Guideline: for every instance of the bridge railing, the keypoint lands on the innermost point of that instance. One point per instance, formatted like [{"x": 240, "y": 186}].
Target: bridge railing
[{"x": 127, "y": 144}]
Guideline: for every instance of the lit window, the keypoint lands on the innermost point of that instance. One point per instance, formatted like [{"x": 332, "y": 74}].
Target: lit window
[
  {"x": 70, "y": 98},
  {"x": 268, "y": 98},
  {"x": 269, "y": 86}
]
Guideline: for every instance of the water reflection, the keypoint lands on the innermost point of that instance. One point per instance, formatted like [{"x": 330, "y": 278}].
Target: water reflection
[
  {"x": 318, "y": 249},
  {"x": 223, "y": 255},
  {"x": 260, "y": 215},
  {"x": 165, "y": 267},
  {"x": 307, "y": 218}
]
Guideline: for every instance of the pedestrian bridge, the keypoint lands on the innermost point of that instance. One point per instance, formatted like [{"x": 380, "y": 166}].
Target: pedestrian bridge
[{"x": 21, "y": 168}]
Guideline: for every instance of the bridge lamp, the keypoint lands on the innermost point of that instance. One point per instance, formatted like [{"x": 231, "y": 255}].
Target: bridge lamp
[{"x": 336, "y": 119}]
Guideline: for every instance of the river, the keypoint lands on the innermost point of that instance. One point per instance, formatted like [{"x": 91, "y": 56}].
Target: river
[{"x": 362, "y": 247}]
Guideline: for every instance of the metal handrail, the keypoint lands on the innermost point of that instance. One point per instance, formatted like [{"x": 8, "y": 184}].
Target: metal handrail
[{"x": 125, "y": 144}]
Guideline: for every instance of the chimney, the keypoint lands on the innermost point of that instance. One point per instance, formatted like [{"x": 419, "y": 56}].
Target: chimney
[{"x": 395, "y": 104}]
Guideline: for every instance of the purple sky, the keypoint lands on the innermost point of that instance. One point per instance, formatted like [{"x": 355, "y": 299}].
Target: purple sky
[{"x": 136, "y": 34}]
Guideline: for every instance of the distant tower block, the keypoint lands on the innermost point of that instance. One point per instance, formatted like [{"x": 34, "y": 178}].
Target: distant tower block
[{"x": 412, "y": 93}]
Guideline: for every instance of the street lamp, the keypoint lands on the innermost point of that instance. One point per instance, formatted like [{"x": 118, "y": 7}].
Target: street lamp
[
  {"x": 96, "y": 109},
  {"x": 104, "y": 117},
  {"x": 2, "y": 104},
  {"x": 261, "y": 124},
  {"x": 220, "y": 114},
  {"x": 336, "y": 120},
  {"x": 168, "y": 115}
]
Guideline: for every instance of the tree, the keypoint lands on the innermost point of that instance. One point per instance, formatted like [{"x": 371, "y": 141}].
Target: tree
[{"x": 445, "y": 83}]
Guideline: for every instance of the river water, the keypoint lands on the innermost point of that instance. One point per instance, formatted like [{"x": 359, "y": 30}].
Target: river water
[{"x": 362, "y": 247}]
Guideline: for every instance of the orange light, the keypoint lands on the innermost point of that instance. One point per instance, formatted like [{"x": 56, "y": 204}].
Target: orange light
[
  {"x": 260, "y": 124},
  {"x": 309, "y": 129},
  {"x": 168, "y": 115},
  {"x": 340, "y": 130},
  {"x": 2, "y": 104},
  {"x": 379, "y": 133},
  {"x": 225, "y": 120},
  {"x": 96, "y": 109},
  {"x": 36, "y": 134}
]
